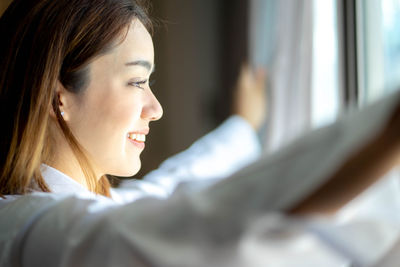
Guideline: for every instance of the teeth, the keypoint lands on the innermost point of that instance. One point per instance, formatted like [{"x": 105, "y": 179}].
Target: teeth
[{"x": 137, "y": 137}]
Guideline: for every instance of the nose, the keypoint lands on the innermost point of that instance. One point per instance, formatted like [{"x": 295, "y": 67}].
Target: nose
[{"x": 152, "y": 110}]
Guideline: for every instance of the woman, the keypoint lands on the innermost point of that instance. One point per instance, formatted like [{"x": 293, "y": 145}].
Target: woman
[
  {"x": 106, "y": 102},
  {"x": 76, "y": 102},
  {"x": 55, "y": 63},
  {"x": 76, "y": 105}
]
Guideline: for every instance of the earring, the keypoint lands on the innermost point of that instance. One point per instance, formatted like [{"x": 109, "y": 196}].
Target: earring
[{"x": 62, "y": 113}]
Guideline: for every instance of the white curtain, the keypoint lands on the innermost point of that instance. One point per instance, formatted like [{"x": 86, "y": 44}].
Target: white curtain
[{"x": 281, "y": 38}]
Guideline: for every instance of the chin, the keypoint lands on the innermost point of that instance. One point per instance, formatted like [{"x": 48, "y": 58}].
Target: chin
[{"x": 127, "y": 171}]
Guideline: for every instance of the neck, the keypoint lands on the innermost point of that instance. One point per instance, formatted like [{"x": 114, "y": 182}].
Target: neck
[
  {"x": 64, "y": 159},
  {"x": 67, "y": 163}
]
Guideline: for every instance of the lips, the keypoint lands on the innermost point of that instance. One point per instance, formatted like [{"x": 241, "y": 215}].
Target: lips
[{"x": 138, "y": 138}]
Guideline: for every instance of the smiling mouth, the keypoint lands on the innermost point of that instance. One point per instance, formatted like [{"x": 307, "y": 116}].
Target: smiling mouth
[{"x": 137, "y": 137}]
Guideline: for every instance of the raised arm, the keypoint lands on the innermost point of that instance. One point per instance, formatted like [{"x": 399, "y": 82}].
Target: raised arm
[
  {"x": 361, "y": 168},
  {"x": 329, "y": 155}
]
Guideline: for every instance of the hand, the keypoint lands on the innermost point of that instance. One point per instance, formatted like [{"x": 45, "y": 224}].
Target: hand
[{"x": 250, "y": 96}]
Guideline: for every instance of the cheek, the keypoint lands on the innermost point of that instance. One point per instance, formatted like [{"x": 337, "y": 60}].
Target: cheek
[
  {"x": 119, "y": 114},
  {"x": 106, "y": 120},
  {"x": 124, "y": 113}
]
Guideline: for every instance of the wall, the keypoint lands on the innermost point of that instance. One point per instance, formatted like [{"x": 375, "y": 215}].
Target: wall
[
  {"x": 187, "y": 65},
  {"x": 199, "y": 45}
]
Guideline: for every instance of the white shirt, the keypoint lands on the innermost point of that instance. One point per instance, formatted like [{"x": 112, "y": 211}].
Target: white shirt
[{"x": 182, "y": 215}]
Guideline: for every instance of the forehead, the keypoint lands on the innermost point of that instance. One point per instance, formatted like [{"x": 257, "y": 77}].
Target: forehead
[
  {"x": 136, "y": 45},
  {"x": 138, "y": 37}
]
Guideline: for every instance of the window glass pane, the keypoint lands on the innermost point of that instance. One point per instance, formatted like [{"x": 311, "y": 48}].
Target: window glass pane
[
  {"x": 325, "y": 93},
  {"x": 391, "y": 42}
]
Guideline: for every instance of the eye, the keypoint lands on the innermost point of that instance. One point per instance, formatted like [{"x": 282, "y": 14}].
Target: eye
[{"x": 138, "y": 84}]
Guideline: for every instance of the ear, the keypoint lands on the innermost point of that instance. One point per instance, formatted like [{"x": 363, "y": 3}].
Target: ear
[{"x": 61, "y": 99}]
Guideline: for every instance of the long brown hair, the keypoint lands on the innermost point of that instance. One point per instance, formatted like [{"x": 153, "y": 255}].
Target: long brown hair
[{"x": 44, "y": 43}]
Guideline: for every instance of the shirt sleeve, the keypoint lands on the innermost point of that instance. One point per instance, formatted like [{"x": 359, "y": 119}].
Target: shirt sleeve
[
  {"x": 230, "y": 147},
  {"x": 75, "y": 231}
]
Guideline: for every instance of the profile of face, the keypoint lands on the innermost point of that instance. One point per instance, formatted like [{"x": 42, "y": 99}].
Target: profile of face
[{"x": 111, "y": 118}]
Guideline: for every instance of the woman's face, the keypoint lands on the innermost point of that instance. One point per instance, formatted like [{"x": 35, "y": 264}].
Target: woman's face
[{"x": 111, "y": 117}]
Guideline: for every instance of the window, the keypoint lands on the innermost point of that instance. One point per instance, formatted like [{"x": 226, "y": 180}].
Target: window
[{"x": 298, "y": 42}]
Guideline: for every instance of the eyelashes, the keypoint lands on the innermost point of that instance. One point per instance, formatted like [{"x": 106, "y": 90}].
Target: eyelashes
[{"x": 140, "y": 84}]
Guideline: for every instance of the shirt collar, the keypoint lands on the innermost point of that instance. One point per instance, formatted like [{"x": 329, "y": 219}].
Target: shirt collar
[{"x": 59, "y": 182}]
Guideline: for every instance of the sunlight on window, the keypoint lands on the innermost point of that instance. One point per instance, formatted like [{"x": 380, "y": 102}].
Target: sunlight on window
[
  {"x": 391, "y": 42},
  {"x": 325, "y": 95}
]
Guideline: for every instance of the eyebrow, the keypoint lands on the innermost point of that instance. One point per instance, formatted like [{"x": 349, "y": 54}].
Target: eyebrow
[{"x": 143, "y": 63}]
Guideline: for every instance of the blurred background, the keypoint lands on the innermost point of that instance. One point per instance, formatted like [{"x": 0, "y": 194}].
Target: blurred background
[
  {"x": 199, "y": 48},
  {"x": 322, "y": 57}
]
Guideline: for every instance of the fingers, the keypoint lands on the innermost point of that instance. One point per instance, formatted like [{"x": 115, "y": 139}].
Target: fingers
[
  {"x": 261, "y": 76},
  {"x": 250, "y": 96}
]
